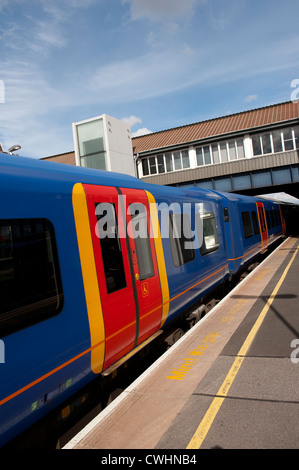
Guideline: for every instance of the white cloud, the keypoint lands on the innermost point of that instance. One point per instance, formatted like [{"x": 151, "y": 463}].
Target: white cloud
[
  {"x": 143, "y": 77},
  {"x": 3, "y": 4},
  {"x": 142, "y": 131},
  {"x": 157, "y": 73},
  {"x": 188, "y": 50},
  {"x": 160, "y": 9},
  {"x": 49, "y": 35},
  {"x": 132, "y": 120},
  {"x": 29, "y": 101},
  {"x": 38, "y": 91},
  {"x": 250, "y": 98},
  {"x": 222, "y": 15},
  {"x": 80, "y": 3}
]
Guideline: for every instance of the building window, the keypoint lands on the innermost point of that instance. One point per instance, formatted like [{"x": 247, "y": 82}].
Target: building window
[
  {"x": 215, "y": 153},
  {"x": 288, "y": 139},
  {"x": 160, "y": 163},
  {"x": 199, "y": 156},
  {"x": 31, "y": 288},
  {"x": 152, "y": 165},
  {"x": 256, "y": 145},
  {"x": 168, "y": 161},
  {"x": 240, "y": 148},
  {"x": 232, "y": 150},
  {"x": 91, "y": 142},
  {"x": 185, "y": 158},
  {"x": 145, "y": 170},
  {"x": 220, "y": 152},
  {"x": 177, "y": 161},
  {"x": 266, "y": 141},
  {"x": 165, "y": 162},
  {"x": 181, "y": 160},
  {"x": 277, "y": 142},
  {"x": 223, "y": 152},
  {"x": 280, "y": 140},
  {"x": 207, "y": 155}
]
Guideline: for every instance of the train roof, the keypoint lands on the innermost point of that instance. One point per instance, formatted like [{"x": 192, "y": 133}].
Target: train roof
[
  {"x": 35, "y": 171},
  {"x": 244, "y": 198},
  {"x": 42, "y": 168}
]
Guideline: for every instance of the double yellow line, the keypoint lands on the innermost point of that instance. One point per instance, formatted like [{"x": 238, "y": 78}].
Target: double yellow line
[{"x": 212, "y": 411}]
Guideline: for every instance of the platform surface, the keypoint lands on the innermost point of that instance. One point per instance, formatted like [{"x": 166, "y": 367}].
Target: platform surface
[{"x": 230, "y": 382}]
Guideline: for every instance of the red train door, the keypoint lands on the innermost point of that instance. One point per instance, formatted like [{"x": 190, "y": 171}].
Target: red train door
[
  {"x": 263, "y": 225},
  {"x": 283, "y": 224},
  {"x": 126, "y": 266},
  {"x": 144, "y": 260},
  {"x": 113, "y": 271}
]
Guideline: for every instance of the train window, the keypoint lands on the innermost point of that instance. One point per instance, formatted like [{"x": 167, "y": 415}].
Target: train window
[
  {"x": 111, "y": 247},
  {"x": 181, "y": 237},
  {"x": 247, "y": 224},
  {"x": 277, "y": 217},
  {"x": 141, "y": 239},
  {"x": 272, "y": 218},
  {"x": 31, "y": 288},
  {"x": 210, "y": 236},
  {"x": 255, "y": 223},
  {"x": 268, "y": 219}
]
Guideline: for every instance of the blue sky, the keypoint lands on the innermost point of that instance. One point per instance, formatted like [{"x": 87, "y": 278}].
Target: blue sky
[{"x": 157, "y": 63}]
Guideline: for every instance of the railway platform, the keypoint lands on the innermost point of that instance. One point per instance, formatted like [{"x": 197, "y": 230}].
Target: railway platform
[{"x": 231, "y": 382}]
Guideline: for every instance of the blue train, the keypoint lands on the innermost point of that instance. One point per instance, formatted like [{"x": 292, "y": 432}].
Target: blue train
[{"x": 94, "y": 265}]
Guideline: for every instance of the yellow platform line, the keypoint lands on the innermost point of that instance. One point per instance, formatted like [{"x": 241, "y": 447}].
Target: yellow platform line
[{"x": 207, "y": 421}]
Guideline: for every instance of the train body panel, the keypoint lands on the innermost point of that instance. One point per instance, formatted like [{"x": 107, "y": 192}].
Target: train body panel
[
  {"x": 80, "y": 289},
  {"x": 251, "y": 229},
  {"x": 195, "y": 271},
  {"x": 37, "y": 214},
  {"x": 246, "y": 245}
]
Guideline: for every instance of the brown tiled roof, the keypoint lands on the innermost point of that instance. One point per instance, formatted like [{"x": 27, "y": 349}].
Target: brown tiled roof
[
  {"x": 219, "y": 126},
  {"x": 192, "y": 132},
  {"x": 68, "y": 158}
]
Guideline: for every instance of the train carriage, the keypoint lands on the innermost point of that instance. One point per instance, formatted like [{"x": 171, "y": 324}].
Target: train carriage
[{"x": 93, "y": 265}]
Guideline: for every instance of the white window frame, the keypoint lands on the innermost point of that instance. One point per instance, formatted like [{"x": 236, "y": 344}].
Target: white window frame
[
  {"x": 272, "y": 142},
  {"x": 226, "y": 143}
]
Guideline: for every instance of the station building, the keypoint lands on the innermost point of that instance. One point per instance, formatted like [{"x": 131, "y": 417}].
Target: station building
[{"x": 252, "y": 152}]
